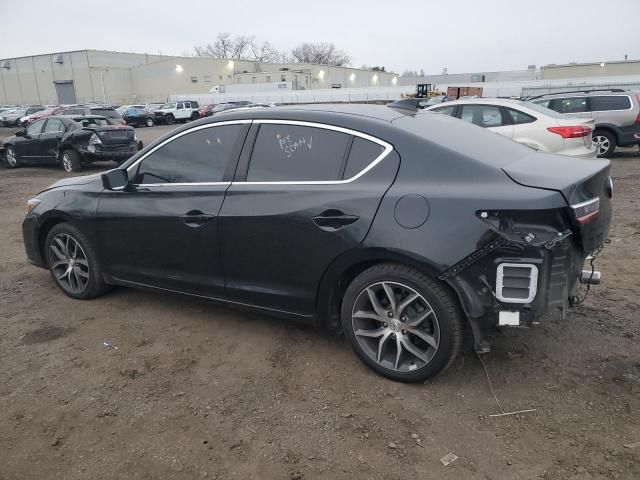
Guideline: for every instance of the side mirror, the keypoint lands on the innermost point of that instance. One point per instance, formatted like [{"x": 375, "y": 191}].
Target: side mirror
[
  {"x": 20, "y": 133},
  {"x": 115, "y": 179}
]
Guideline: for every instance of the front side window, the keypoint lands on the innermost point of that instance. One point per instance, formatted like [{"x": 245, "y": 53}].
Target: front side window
[
  {"x": 199, "y": 156},
  {"x": 485, "y": 116},
  {"x": 296, "y": 153},
  {"x": 519, "y": 117},
  {"x": 54, "y": 125},
  {"x": 35, "y": 128},
  {"x": 362, "y": 154},
  {"x": 569, "y": 105},
  {"x": 180, "y": 106},
  {"x": 609, "y": 102}
]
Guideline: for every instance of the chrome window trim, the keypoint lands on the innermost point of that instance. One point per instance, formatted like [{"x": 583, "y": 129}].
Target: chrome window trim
[
  {"x": 533, "y": 282},
  {"x": 387, "y": 149},
  {"x": 131, "y": 167}
]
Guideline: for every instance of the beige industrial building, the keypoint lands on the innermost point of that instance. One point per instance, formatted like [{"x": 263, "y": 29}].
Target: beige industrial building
[
  {"x": 595, "y": 69},
  {"x": 118, "y": 77}
]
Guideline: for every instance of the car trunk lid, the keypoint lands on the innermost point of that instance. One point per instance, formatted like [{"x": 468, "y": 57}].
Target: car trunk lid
[
  {"x": 585, "y": 185},
  {"x": 115, "y": 134}
]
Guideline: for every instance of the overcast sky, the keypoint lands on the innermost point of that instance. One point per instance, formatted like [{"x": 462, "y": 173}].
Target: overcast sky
[{"x": 461, "y": 35}]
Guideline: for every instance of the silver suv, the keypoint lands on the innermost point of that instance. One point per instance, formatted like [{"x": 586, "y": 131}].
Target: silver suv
[{"x": 616, "y": 114}]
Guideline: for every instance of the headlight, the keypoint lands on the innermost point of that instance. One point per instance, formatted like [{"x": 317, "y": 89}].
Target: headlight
[
  {"x": 32, "y": 203},
  {"x": 95, "y": 140}
]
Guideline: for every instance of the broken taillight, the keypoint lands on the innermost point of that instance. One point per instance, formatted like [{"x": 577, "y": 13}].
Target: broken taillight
[
  {"x": 587, "y": 211},
  {"x": 576, "y": 131}
]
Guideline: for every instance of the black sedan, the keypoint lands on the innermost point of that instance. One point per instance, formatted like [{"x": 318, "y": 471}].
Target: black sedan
[
  {"x": 398, "y": 227},
  {"x": 70, "y": 142}
]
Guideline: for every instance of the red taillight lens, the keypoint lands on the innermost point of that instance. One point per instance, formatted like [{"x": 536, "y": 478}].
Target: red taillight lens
[
  {"x": 586, "y": 212},
  {"x": 571, "y": 132}
]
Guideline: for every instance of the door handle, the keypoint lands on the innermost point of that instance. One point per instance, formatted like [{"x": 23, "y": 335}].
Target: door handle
[
  {"x": 332, "y": 220},
  {"x": 195, "y": 218}
]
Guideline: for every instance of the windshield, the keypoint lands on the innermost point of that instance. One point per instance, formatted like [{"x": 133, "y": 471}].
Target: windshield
[
  {"x": 91, "y": 122},
  {"x": 169, "y": 106}
]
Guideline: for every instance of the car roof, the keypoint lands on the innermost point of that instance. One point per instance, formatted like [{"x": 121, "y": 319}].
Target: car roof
[
  {"x": 77, "y": 117},
  {"x": 308, "y": 112},
  {"x": 505, "y": 102}
]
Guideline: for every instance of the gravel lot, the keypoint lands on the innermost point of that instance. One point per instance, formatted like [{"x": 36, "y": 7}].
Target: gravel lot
[{"x": 200, "y": 391}]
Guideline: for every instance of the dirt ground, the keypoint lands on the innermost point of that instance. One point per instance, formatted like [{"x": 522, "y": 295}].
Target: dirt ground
[{"x": 195, "y": 390}]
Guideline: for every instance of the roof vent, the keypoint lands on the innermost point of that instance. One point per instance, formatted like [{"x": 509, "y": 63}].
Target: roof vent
[
  {"x": 59, "y": 60},
  {"x": 6, "y": 64}
]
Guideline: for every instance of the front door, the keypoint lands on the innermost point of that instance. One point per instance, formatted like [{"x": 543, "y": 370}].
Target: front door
[
  {"x": 301, "y": 201},
  {"x": 162, "y": 230},
  {"x": 28, "y": 147}
]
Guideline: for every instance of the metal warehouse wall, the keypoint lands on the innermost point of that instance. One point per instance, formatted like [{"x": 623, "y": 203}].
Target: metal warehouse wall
[{"x": 604, "y": 69}]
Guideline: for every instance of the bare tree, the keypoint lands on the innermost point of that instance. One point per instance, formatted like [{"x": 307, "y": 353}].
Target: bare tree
[
  {"x": 225, "y": 47},
  {"x": 320, "y": 53},
  {"x": 265, "y": 52}
]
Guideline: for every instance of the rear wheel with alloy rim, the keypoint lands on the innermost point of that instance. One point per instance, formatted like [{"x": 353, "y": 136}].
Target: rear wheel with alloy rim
[
  {"x": 604, "y": 142},
  {"x": 11, "y": 158},
  {"x": 73, "y": 263},
  {"x": 71, "y": 161},
  {"x": 149, "y": 122},
  {"x": 401, "y": 323}
]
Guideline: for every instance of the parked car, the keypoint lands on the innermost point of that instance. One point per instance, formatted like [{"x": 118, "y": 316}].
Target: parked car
[
  {"x": 12, "y": 118},
  {"x": 94, "y": 110},
  {"x": 47, "y": 112},
  {"x": 123, "y": 108},
  {"x": 309, "y": 213},
  {"x": 173, "y": 112},
  {"x": 616, "y": 114},
  {"x": 205, "y": 110},
  {"x": 71, "y": 142},
  {"x": 527, "y": 123},
  {"x": 152, "y": 107},
  {"x": 138, "y": 117}
]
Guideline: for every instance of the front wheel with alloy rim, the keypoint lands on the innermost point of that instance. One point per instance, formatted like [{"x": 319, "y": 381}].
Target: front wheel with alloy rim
[
  {"x": 11, "y": 158},
  {"x": 71, "y": 161},
  {"x": 73, "y": 263},
  {"x": 604, "y": 142},
  {"x": 149, "y": 122},
  {"x": 402, "y": 323}
]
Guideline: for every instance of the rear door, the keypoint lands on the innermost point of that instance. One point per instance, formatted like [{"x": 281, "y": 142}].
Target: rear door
[
  {"x": 492, "y": 117},
  {"x": 572, "y": 106},
  {"x": 306, "y": 194},
  {"x": 162, "y": 230},
  {"x": 50, "y": 138}
]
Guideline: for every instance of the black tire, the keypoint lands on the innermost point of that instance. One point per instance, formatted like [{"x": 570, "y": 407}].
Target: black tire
[
  {"x": 605, "y": 142},
  {"x": 170, "y": 119},
  {"x": 95, "y": 285},
  {"x": 149, "y": 122},
  {"x": 11, "y": 160},
  {"x": 70, "y": 161},
  {"x": 195, "y": 116},
  {"x": 448, "y": 318}
]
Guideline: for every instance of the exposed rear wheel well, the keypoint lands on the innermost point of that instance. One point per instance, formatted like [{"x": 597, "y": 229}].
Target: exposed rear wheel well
[{"x": 607, "y": 129}]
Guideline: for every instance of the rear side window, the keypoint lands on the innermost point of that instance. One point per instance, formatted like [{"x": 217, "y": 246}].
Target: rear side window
[
  {"x": 485, "y": 116},
  {"x": 444, "y": 110},
  {"x": 519, "y": 117},
  {"x": 362, "y": 154},
  {"x": 609, "y": 102},
  {"x": 569, "y": 105},
  {"x": 200, "y": 156},
  {"x": 54, "y": 125},
  {"x": 296, "y": 153}
]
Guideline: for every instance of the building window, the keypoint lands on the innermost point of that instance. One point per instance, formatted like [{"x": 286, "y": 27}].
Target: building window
[
  {"x": 283, "y": 78},
  {"x": 268, "y": 78},
  {"x": 194, "y": 79},
  {"x": 229, "y": 75},
  {"x": 219, "y": 77},
  {"x": 207, "y": 79}
]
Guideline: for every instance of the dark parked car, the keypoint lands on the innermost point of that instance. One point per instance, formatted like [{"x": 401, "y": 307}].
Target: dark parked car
[
  {"x": 98, "y": 110},
  {"x": 70, "y": 142},
  {"x": 138, "y": 118},
  {"x": 376, "y": 219}
]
